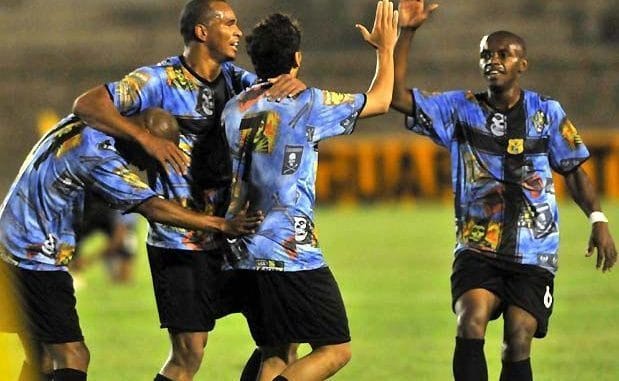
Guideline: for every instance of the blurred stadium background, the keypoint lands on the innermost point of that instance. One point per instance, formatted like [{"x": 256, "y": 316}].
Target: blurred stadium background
[{"x": 53, "y": 51}]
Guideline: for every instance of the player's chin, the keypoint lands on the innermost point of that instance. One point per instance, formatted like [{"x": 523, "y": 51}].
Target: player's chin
[{"x": 231, "y": 54}]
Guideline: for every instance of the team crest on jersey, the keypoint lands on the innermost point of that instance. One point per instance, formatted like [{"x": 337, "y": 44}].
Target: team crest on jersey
[
  {"x": 570, "y": 134},
  {"x": 539, "y": 121},
  {"x": 128, "y": 89},
  {"x": 265, "y": 125},
  {"x": 332, "y": 98},
  {"x": 177, "y": 77},
  {"x": 515, "y": 146},
  {"x": 497, "y": 123},
  {"x": 292, "y": 159},
  {"x": 206, "y": 102}
]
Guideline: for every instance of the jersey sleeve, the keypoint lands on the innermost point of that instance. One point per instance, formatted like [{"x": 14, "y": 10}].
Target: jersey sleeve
[
  {"x": 240, "y": 78},
  {"x": 121, "y": 188},
  {"x": 137, "y": 91},
  {"x": 433, "y": 115},
  {"x": 566, "y": 148},
  {"x": 333, "y": 114}
]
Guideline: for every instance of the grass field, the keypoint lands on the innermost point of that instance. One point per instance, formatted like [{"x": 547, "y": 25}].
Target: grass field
[{"x": 393, "y": 265}]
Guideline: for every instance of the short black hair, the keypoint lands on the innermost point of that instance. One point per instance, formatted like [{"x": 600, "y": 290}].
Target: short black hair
[
  {"x": 512, "y": 37},
  {"x": 194, "y": 12},
  {"x": 272, "y": 45}
]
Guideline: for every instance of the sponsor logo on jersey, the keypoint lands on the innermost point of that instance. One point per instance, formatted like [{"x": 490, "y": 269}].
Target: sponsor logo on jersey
[{"x": 269, "y": 265}]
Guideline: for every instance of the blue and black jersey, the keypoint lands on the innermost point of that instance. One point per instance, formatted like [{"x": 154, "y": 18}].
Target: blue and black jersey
[{"x": 502, "y": 165}]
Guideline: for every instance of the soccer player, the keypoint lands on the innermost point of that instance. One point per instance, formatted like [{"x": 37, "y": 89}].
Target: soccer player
[
  {"x": 38, "y": 238},
  {"x": 504, "y": 144},
  {"x": 288, "y": 292},
  {"x": 193, "y": 87}
]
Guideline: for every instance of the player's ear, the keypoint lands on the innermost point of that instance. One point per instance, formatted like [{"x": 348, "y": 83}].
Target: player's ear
[
  {"x": 524, "y": 64},
  {"x": 201, "y": 32},
  {"x": 298, "y": 57}
]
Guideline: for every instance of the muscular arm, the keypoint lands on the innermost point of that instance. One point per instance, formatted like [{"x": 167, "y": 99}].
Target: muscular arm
[
  {"x": 167, "y": 212},
  {"x": 413, "y": 13},
  {"x": 582, "y": 191},
  {"x": 402, "y": 98},
  {"x": 97, "y": 109}
]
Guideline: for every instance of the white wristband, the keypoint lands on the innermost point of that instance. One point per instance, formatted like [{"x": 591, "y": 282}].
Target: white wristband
[{"x": 597, "y": 217}]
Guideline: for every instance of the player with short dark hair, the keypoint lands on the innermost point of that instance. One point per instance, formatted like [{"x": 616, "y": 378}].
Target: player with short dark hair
[
  {"x": 38, "y": 238},
  {"x": 287, "y": 292},
  {"x": 504, "y": 143},
  {"x": 194, "y": 87}
]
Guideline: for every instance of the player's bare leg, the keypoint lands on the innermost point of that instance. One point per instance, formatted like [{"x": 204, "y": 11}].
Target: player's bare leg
[
  {"x": 275, "y": 360},
  {"x": 320, "y": 364},
  {"x": 473, "y": 311},
  {"x": 518, "y": 332},
  {"x": 186, "y": 355}
]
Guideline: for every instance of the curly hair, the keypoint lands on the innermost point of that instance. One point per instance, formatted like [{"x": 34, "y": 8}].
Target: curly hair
[{"x": 272, "y": 45}]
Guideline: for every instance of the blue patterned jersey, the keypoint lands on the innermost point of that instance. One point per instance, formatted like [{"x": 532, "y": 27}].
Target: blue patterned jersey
[
  {"x": 502, "y": 166},
  {"x": 44, "y": 206},
  {"x": 274, "y": 163},
  {"x": 197, "y": 104}
]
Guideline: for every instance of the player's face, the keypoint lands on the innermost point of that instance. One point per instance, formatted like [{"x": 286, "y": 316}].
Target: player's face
[
  {"x": 224, "y": 33},
  {"x": 501, "y": 61}
]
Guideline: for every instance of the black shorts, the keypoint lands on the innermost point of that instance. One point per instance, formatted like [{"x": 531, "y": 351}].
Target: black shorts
[
  {"x": 528, "y": 287},
  {"x": 46, "y": 306},
  {"x": 290, "y": 307},
  {"x": 186, "y": 288}
]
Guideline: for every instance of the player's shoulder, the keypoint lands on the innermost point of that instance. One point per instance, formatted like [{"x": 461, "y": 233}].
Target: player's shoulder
[{"x": 541, "y": 101}]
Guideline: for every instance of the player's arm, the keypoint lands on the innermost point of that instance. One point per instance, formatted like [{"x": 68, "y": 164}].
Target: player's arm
[
  {"x": 582, "y": 191},
  {"x": 167, "y": 212},
  {"x": 413, "y": 14},
  {"x": 383, "y": 37},
  {"x": 97, "y": 109}
]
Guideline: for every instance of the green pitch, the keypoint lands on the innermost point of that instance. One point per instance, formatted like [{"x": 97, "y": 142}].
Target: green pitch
[{"x": 393, "y": 265}]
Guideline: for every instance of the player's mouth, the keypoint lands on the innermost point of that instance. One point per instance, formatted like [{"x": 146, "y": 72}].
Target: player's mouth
[
  {"x": 235, "y": 46},
  {"x": 493, "y": 71}
]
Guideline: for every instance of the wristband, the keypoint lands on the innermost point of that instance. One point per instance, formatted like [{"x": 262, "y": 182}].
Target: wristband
[{"x": 597, "y": 217}]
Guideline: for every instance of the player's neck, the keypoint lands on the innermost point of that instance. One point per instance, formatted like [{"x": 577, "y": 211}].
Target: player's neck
[
  {"x": 202, "y": 63},
  {"x": 503, "y": 99}
]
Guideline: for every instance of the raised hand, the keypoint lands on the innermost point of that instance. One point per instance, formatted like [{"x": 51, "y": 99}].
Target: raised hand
[
  {"x": 413, "y": 13},
  {"x": 385, "y": 30}
]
